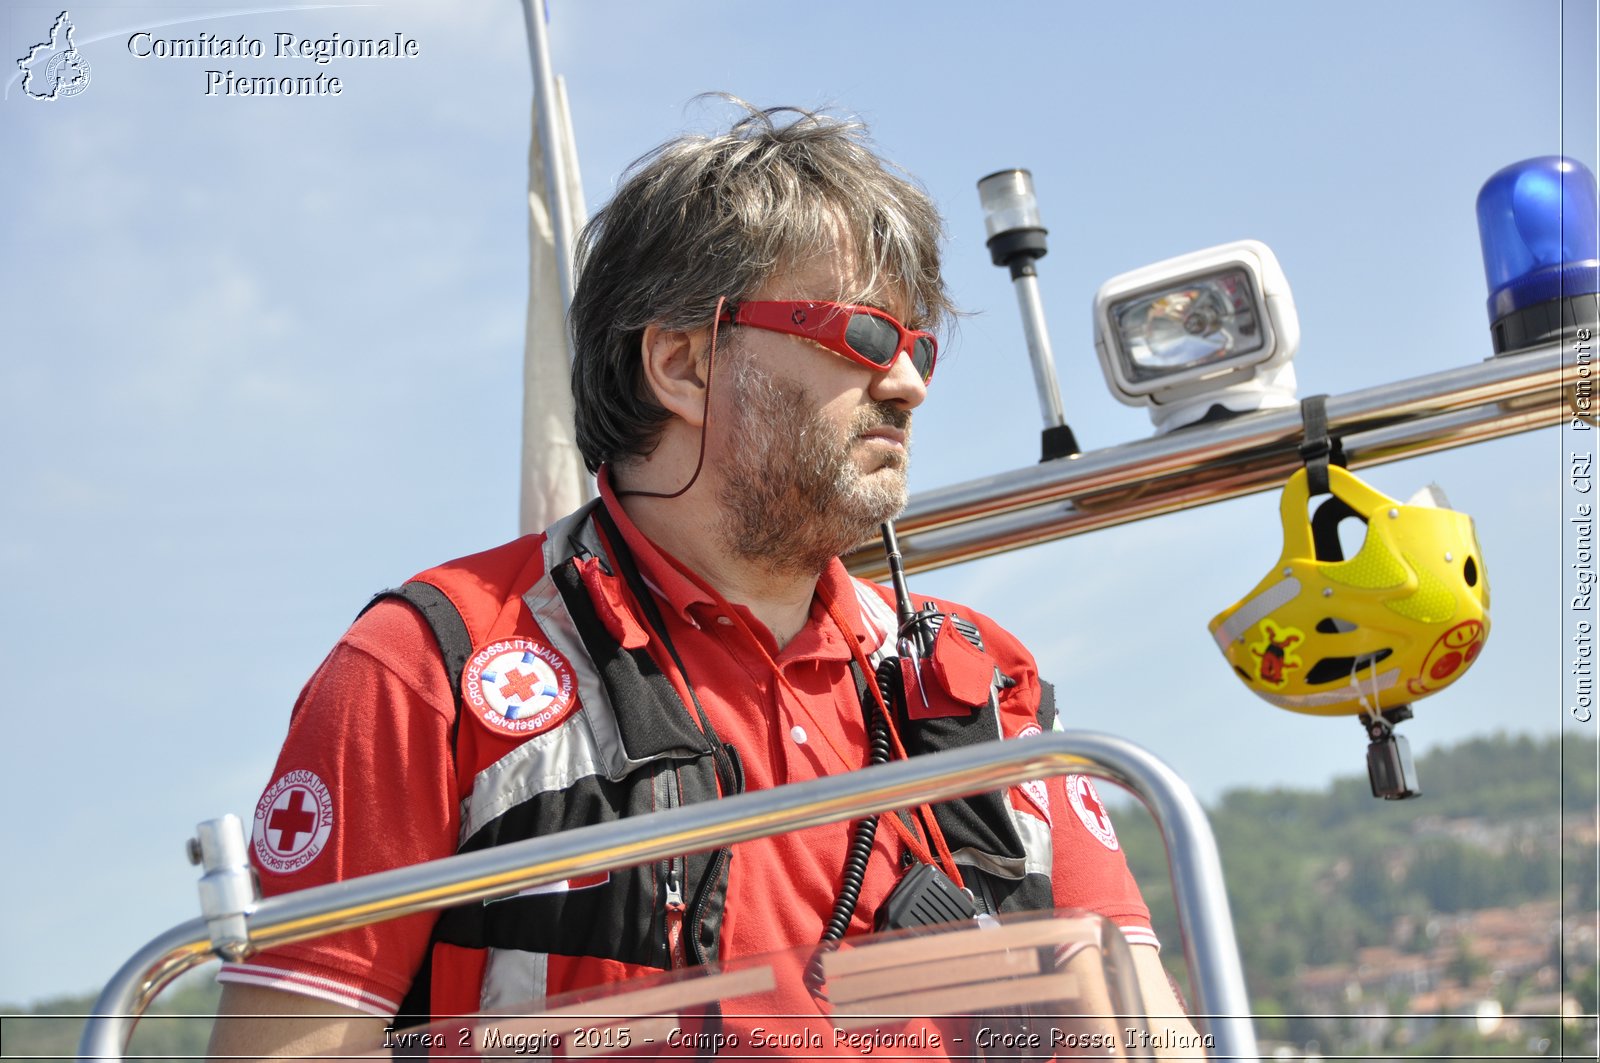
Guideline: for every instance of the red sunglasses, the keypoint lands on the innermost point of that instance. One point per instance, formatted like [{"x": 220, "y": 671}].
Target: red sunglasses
[{"x": 860, "y": 333}]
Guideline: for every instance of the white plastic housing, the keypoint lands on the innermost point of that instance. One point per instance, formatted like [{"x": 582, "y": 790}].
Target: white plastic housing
[{"x": 1255, "y": 379}]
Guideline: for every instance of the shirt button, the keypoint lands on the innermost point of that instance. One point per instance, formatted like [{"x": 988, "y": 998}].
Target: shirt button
[
  {"x": 725, "y": 621},
  {"x": 798, "y": 733}
]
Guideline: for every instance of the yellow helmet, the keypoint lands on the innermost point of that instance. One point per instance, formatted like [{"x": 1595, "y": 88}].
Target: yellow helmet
[{"x": 1402, "y": 619}]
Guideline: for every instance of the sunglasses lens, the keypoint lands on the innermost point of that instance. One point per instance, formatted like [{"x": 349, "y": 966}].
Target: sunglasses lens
[
  {"x": 923, "y": 353},
  {"x": 873, "y": 338}
]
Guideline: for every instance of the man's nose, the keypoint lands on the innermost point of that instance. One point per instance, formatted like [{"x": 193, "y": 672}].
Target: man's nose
[{"x": 901, "y": 385}]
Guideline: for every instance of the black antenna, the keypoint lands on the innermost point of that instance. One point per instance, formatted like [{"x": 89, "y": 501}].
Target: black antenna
[{"x": 897, "y": 576}]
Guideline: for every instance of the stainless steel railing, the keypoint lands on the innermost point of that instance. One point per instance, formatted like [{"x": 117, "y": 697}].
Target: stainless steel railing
[
  {"x": 234, "y": 930},
  {"x": 1209, "y": 463}
]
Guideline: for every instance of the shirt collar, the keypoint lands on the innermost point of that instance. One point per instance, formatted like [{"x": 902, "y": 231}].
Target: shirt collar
[
  {"x": 673, "y": 581},
  {"x": 681, "y": 588}
]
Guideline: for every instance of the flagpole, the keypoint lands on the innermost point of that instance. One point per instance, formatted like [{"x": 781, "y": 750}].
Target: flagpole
[
  {"x": 553, "y": 480},
  {"x": 550, "y": 143}
]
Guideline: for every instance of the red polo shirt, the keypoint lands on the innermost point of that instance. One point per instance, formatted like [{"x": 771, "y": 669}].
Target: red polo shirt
[{"x": 373, "y": 726}]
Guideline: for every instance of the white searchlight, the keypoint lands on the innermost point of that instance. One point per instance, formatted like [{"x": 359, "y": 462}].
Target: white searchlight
[{"x": 1200, "y": 337}]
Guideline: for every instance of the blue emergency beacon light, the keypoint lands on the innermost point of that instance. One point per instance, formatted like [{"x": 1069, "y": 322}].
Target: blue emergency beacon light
[{"x": 1539, "y": 223}]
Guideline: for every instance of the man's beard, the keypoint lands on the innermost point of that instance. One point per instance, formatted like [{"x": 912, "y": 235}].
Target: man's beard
[{"x": 792, "y": 495}]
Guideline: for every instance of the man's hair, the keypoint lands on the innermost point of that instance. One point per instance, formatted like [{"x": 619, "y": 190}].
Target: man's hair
[{"x": 702, "y": 217}]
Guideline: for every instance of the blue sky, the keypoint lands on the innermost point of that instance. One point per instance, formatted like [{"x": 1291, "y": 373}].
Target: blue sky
[{"x": 262, "y": 356}]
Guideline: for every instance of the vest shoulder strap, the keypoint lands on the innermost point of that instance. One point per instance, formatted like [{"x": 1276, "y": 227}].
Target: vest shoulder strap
[{"x": 449, "y": 631}]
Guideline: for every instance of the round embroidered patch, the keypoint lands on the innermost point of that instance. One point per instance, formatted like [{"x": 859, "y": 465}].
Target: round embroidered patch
[
  {"x": 1035, "y": 790},
  {"x": 1091, "y": 811},
  {"x": 293, "y": 820},
  {"x": 517, "y": 686}
]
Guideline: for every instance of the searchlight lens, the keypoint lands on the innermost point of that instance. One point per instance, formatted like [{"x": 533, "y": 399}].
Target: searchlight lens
[
  {"x": 1537, "y": 222},
  {"x": 1188, "y": 326}
]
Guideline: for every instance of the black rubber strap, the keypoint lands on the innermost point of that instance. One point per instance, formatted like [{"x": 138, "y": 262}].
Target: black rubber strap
[
  {"x": 455, "y": 646},
  {"x": 1047, "y": 705},
  {"x": 1318, "y": 448},
  {"x": 449, "y": 631}
]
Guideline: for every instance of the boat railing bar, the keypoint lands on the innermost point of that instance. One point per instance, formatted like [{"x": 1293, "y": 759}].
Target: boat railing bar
[
  {"x": 1215, "y": 971},
  {"x": 1212, "y": 462}
]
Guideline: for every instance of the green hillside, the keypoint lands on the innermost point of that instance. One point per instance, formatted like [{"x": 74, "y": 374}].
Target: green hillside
[{"x": 1345, "y": 905}]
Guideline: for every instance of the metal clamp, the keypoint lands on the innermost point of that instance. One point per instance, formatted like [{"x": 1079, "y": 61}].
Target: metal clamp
[{"x": 228, "y": 890}]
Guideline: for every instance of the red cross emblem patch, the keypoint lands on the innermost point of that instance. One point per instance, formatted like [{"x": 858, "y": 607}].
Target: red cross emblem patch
[
  {"x": 1091, "y": 810},
  {"x": 293, "y": 820},
  {"x": 519, "y": 687}
]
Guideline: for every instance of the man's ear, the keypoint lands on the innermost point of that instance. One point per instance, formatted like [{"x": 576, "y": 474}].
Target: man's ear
[{"x": 674, "y": 370}]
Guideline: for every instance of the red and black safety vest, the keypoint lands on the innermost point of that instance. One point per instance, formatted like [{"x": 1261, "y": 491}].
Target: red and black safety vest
[{"x": 633, "y": 748}]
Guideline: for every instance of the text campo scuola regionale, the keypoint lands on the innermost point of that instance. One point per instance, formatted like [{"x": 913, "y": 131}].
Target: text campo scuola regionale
[
  {"x": 319, "y": 50},
  {"x": 1580, "y": 479},
  {"x": 758, "y": 1037}
]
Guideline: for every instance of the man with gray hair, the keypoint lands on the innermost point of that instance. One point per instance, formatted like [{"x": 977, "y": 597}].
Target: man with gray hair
[{"x": 755, "y": 322}]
